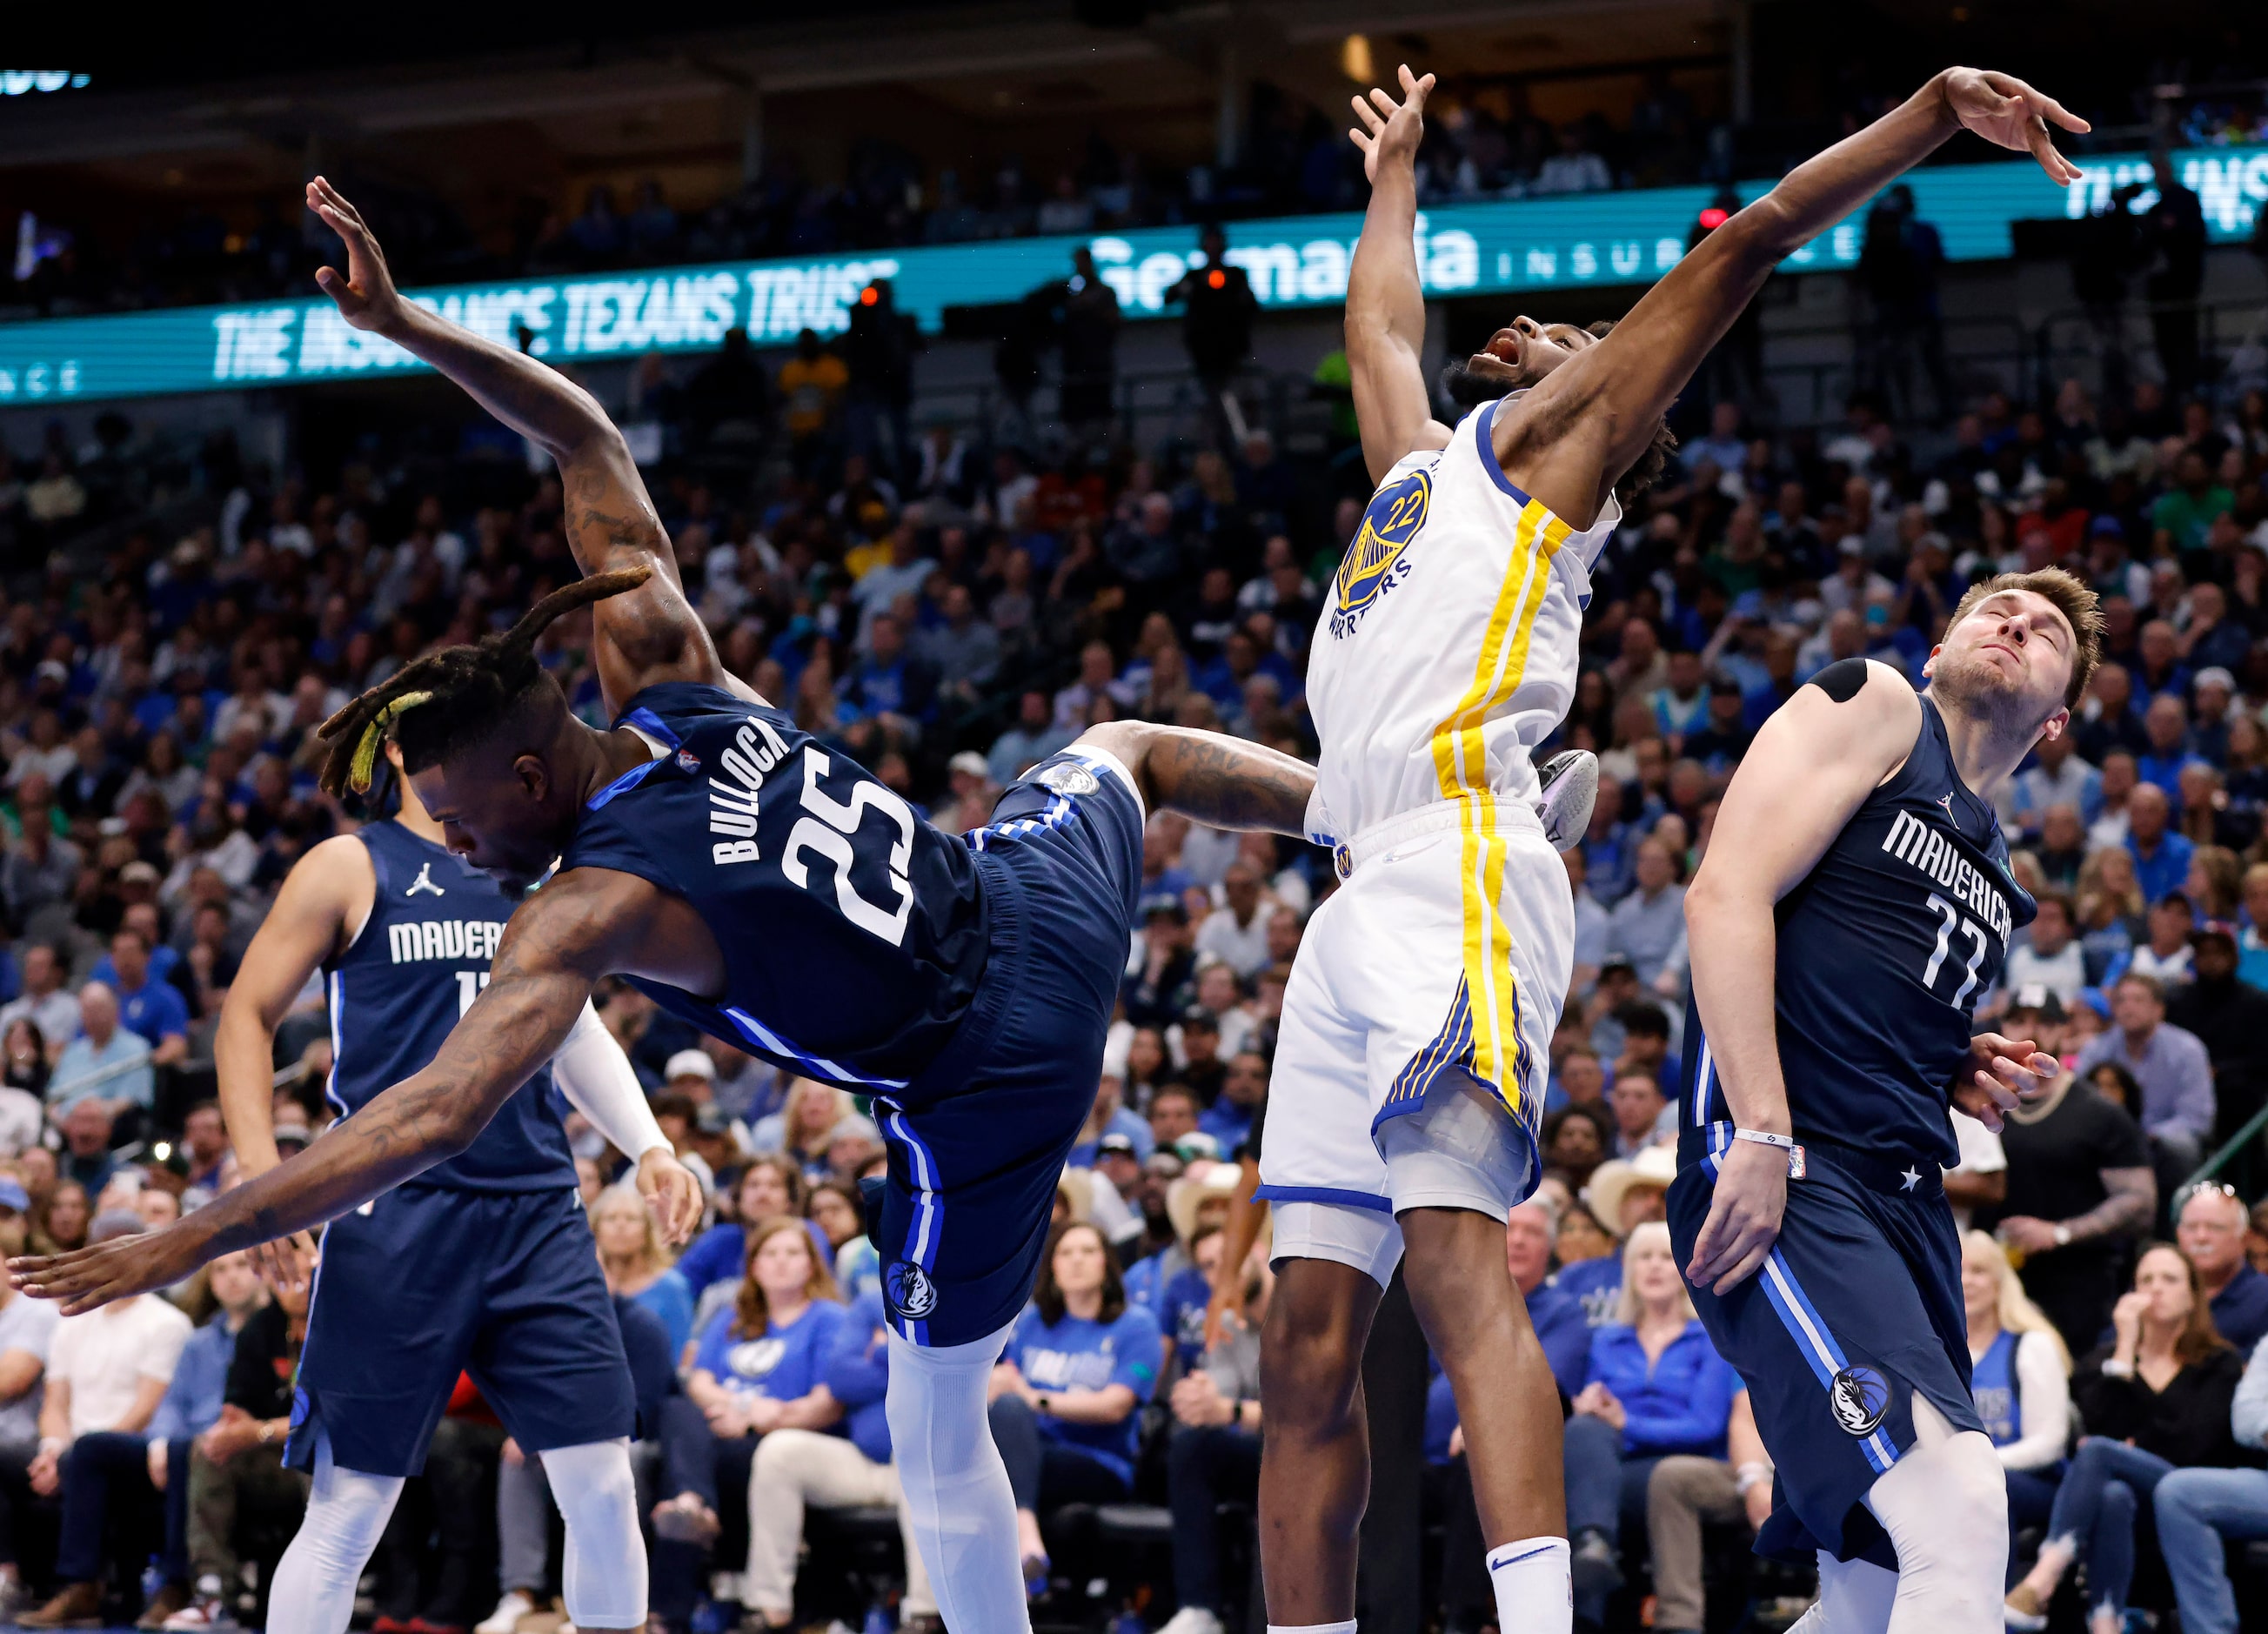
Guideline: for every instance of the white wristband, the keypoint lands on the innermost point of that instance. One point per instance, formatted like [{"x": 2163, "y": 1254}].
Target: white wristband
[{"x": 1785, "y": 1143}]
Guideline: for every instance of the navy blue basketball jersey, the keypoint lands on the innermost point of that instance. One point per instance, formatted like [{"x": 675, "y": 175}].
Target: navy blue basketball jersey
[
  {"x": 854, "y": 933},
  {"x": 1884, "y": 950},
  {"x": 418, "y": 964}
]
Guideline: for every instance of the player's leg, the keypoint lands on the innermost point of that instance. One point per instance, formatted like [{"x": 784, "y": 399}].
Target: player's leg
[
  {"x": 1945, "y": 1506},
  {"x": 1454, "y": 1168},
  {"x": 958, "y": 1504},
  {"x": 1854, "y": 1598},
  {"x": 1314, "y": 1460},
  {"x": 548, "y": 1355},
  {"x": 347, "y": 1511}
]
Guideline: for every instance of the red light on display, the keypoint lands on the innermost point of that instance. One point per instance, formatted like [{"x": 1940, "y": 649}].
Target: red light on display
[
  {"x": 1217, "y": 278},
  {"x": 1713, "y": 218},
  {"x": 868, "y": 296}
]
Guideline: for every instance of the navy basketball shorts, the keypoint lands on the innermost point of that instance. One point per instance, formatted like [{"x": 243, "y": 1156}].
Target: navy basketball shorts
[
  {"x": 1858, "y": 1307},
  {"x": 977, "y": 1142},
  {"x": 434, "y": 1281}
]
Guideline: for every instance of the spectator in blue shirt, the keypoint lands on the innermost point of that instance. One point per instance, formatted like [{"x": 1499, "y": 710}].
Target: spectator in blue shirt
[
  {"x": 191, "y": 1406},
  {"x": 758, "y": 1366},
  {"x": 2167, "y": 720},
  {"x": 1067, "y": 1394},
  {"x": 794, "y": 1468},
  {"x": 2162, "y": 856},
  {"x": 770, "y": 1186},
  {"x": 636, "y": 1263},
  {"x": 1656, "y": 1387},
  {"x": 1243, "y": 1092},
  {"x": 2211, "y": 1229},
  {"x": 105, "y": 1063},
  {"x": 154, "y": 1008}
]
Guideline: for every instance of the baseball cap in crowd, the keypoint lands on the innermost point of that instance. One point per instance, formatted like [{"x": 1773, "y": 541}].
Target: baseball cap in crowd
[
  {"x": 1724, "y": 686},
  {"x": 1165, "y": 902},
  {"x": 1195, "y": 1144},
  {"x": 1110, "y": 1145},
  {"x": 2215, "y": 930},
  {"x": 1200, "y": 1018},
  {"x": 2214, "y": 675},
  {"x": 2036, "y": 998},
  {"x": 690, "y": 1064},
  {"x": 12, "y": 1194},
  {"x": 140, "y": 872},
  {"x": 117, "y": 1223},
  {"x": 294, "y": 1133},
  {"x": 1618, "y": 960},
  {"x": 2106, "y": 527},
  {"x": 970, "y": 762},
  {"x": 712, "y": 1119}
]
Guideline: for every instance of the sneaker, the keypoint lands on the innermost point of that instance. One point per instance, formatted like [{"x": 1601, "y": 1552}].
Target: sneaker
[
  {"x": 685, "y": 1519},
  {"x": 1192, "y": 1619},
  {"x": 206, "y": 1611},
  {"x": 514, "y": 1606},
  {"x": 1595, "y": 1570},
  {"x": 423, "y": 1625},
  {"x": 76, "y": 1605},
  {"x": 1569, "y": 785},
  {"x": 2023, "y": 1609},
  {"x": 169, "y": 1598}
]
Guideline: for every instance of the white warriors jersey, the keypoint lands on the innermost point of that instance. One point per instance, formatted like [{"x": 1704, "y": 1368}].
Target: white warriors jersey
[{"x": 1448, "y": 649}]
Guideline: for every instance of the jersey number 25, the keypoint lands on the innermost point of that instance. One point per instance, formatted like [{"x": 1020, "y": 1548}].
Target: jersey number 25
[{"x": 828, "y": 832}]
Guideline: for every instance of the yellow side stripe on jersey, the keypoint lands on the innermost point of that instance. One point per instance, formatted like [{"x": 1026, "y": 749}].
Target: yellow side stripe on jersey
[{"x": 1460, "y": 764}]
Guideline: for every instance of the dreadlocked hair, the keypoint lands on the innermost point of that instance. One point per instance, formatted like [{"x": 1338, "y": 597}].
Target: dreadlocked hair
[{"x": 481, "y": 684}]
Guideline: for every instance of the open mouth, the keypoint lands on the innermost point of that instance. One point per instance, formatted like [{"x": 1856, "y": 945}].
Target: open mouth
[{"x": 1503, "y": 346}]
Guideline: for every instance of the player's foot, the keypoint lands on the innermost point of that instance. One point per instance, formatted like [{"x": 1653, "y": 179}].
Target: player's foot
[
  {"x": 77, "y": 1606},
  {"x": 514, "y": 1606},
  {"x": 169, "y": 1598},
  {"x": 426, "y": 1625},
  {"x": 2024, "y": 1608},
  {"x": 1570, "y": 785},
  {"x": 1192, "y": 1619},
  {"x": 685, "y": 1519}
]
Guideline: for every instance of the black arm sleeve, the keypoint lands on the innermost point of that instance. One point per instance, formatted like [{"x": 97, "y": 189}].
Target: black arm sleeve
[{"x": 1841, "y": 680}]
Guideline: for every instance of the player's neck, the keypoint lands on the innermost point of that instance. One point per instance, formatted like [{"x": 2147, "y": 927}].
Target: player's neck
[
  {"x": 1985, "y": 752},
  {"x": 591, "y": 760}
]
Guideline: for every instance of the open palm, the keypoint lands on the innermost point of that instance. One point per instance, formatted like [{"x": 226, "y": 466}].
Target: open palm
[
  {"x": 1391, "y": 130},
  {"x": 364, "y": 293}
]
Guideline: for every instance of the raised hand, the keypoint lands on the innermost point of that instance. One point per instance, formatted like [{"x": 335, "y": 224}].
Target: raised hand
[
  {"x": 364, "y": 293},
  {"x": 1391, "y": 130},
  {"x": 85, "y": 1279},
  {"x": 2009, "y": 112},
  {"x": 1999, "y": 1075}
]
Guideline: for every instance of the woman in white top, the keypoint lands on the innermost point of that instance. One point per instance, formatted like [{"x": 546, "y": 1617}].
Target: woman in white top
[{"x": 2022, "y": 1381}]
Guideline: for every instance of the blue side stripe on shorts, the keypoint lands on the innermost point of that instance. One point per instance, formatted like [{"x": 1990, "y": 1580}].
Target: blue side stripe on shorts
[
  {"x": 929, "y": 1205},
  {"x": 1325, "y": 1193},
  {"x": 1817, "y": 1341}
]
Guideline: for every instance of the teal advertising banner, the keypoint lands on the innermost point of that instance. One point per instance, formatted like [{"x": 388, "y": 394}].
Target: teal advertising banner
[{"x": 1499, "y": 247}]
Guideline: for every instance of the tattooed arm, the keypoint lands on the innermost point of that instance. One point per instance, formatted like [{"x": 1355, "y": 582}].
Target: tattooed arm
[
  {"x": 1219, "y": 781},
  {"x": 553, "y": 952},
  {"x": 648, "y": 635}
]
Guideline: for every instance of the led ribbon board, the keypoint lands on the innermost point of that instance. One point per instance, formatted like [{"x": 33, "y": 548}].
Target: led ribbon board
[{"x": 1494, "y": 247}]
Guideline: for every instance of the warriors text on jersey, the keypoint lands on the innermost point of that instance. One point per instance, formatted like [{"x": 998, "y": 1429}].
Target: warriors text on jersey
[
  {"x": 853, "y": 933},
  {"x": 414, "y": 966},
  {"x": 1447, "y": 651},
  {"x": 1884, "y": 949}
]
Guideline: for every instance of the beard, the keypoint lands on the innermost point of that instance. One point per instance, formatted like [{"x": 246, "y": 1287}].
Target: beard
[
  {"x": 1975, "y": 687},
  {"x": 1468, "y": 388}
]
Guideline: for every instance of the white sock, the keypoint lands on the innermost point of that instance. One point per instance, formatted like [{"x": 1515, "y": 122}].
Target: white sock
[
  {"x": 1313, "y": 1628},
  {"x": 1534, "y": 1592}
]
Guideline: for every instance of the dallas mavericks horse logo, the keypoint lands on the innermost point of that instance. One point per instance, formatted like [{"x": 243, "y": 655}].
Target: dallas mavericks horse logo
[
  {"x": 912, "y": 1294},
  {"x": 1859, "y": 1396},
  {"x": 1374, "y": 563}
]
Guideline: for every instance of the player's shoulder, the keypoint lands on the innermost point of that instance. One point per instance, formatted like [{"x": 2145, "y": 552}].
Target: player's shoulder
[
  {"x": 1857, "y": 708},
  {"x": 341, "y": 865}
]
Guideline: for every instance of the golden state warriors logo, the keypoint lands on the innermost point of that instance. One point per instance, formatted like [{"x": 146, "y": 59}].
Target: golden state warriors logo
[{"x": 1374, "y": 563}]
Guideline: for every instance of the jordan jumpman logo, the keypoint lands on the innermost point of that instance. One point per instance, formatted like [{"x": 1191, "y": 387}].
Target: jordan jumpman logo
[{"x": 425, "y": 882}]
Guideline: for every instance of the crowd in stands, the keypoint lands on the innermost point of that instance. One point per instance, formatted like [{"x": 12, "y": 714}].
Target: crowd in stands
[{"x": 948, "y": 613}]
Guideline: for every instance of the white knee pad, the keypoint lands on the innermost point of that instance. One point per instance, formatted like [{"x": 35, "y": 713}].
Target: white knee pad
[
  {"x": 1945, "y": 1506},
  {"x": 347, "y": 1511},
  {"x": 958, "y": 1505},
  {"x": 604, "y": 1578}
]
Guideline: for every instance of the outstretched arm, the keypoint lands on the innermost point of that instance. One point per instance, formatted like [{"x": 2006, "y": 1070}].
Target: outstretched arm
[
  {"x": 1386, "y": 302},
  {"x": 649, "y": 635},
  {"x": 1592, "y": 417},
  {"x": 553, "y": 952}
]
